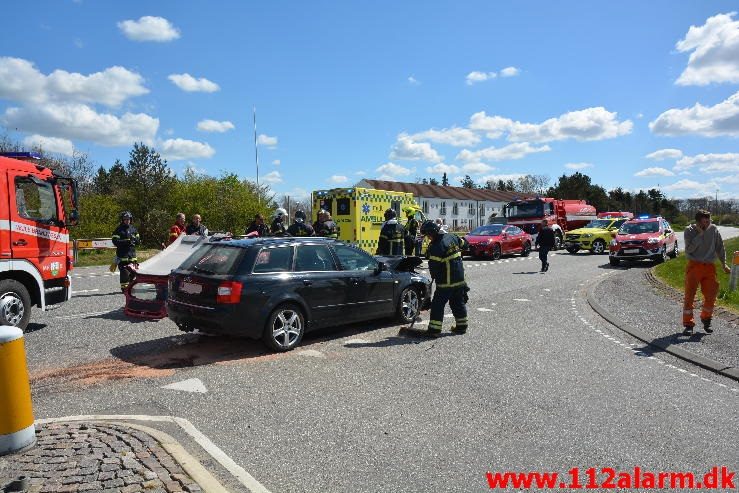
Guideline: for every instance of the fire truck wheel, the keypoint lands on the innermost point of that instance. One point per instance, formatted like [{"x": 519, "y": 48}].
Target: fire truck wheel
[
  {"x": 15, "y": 304},
  {"x": 599, "y": 246}
]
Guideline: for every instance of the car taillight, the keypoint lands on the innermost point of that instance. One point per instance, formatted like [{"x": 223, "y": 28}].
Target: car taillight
[{"x": 229, "y": 292}]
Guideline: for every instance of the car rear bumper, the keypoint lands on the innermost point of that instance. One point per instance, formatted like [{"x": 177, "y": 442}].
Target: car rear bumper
[{"x": 224, "y": 319}]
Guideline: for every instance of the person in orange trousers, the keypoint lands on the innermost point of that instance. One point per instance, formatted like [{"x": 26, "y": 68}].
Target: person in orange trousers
[{"x": 703, "y": 244}]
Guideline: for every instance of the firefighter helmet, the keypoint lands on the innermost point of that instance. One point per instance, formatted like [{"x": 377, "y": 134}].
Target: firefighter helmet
[
  {"x": 126, "y": 215},
  {"x": 429, "y": 227},
  {"x": 390, "y": 214},
  {"x": 300, "y": 216},
  {"x": 280, "y": 212}
]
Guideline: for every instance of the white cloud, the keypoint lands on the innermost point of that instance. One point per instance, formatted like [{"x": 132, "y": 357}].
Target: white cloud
[
  {"x": 715, "y": 52},
  {"x": 509, "y": 152},
  {"x": 338, "y": 179},
  {"x": 588, "y": 124},
  {"x": 360, "y": 173},
  {"x": 181, "y": 149},
  {"x": 276, "y": 162},
  {"x": 188, "y": 83},
  {"x": 413, "y": 81},
  {"x": 272, "y": 177},
  {"x": 392, "y": 169},
  {"x": 407, "y": 149},
  {"x": 494, "y": 126},
  {"x": 477, "y": 168},
  {"x": 475, "y": 77},
  {"x": 650, "y": 172},
  {"x": 454, "y": 136},
  {"x": 80, "y": 122},
  {"x": 20, "y": 80},
  {"x": 149, "y": 28},
  {"x": 504, "y": 177},
  {"x": 510, "y": 72},
  {"x": 442, "y": 168},
  {"x": 710, "y": 163},
  {"x": 578, "y": 165},
  {"x": 215, "y": 126},
  {"x": 266, "y": 140},
  {"x": 691, "y": 185},
  {"x": 50, "y": 144},
  {"x": 712, "y": 121},
  {"x": 663, "y": 154}
]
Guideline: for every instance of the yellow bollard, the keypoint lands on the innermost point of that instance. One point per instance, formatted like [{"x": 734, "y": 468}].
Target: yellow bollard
[{"x": 17, "y": 430}]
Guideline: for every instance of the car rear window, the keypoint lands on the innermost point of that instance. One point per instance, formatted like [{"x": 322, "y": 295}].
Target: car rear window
[
  {"x": 274, "y": 260},
  {"x": 215, "y": 259}
]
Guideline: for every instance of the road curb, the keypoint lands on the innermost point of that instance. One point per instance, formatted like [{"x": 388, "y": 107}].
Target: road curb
[{"x": 703, "y": 362}]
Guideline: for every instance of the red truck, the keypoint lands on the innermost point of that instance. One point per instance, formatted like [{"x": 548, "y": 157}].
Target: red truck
[
  {"x": 563, "y": 215},
  {"x": 37, "y": 206}
]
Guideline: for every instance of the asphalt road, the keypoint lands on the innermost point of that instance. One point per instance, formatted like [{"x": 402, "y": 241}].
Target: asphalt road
[{"x": 539, "y": 383}]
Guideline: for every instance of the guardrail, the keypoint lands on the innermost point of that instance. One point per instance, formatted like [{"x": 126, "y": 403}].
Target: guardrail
[{"x": 92, "y": 244}]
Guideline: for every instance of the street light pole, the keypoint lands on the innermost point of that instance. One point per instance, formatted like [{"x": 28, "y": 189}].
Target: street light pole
[{"x": 256, "y": 153}]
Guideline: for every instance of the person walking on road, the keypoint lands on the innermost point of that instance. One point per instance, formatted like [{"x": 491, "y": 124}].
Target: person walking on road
[
  {"x": 392, "y": 236},
  {"x": 545, "y": 242},
  {"x": 703, "y": 245},
  {"x": 196, "y": 227},
  {"x": 177, "y": 228},
  {"x": 257, "y": 226},
  {"x": 447, "y": 271},
  {"x": 125, "y": 238}
]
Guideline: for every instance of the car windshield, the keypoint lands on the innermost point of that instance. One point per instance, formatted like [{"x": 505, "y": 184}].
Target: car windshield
[
  {"x": 524, "y": 209},
  {"x": 639, "y": 228},
  {"x": 599, "y": 224},
  {"x": 492, "y": 230},
  {"x": 214, "y": 259}
]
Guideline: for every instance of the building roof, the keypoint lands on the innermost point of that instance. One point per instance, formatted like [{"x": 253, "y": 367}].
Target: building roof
[{"x": 442, "y": 192}]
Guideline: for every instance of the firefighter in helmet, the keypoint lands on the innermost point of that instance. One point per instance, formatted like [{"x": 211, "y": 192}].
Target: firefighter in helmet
[
  {"x": 411, "y": 231},
  {"x": 299, "y": 227},
  {"x": 392, "y": 236},
  {"x": 325, "y": 226},
  {"x": 447, "y": 271},
  {"x": 278, "y": 228},
  {"x": 125, "y": 238}
]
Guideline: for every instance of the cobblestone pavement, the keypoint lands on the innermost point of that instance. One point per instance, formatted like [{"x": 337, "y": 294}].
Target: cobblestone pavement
[{"x": 71, "y": 457}]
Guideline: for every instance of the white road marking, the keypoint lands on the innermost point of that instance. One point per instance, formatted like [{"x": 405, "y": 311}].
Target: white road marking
[
  {"x": 312, "y": 353},
  {"x": 85, "y": 291},
  {"x": 485, "y": 310},
  {"x": 520, "y": 299},
  {"x": 83, "y": 315},
  {"x": 219, "y": 455},
  {"x": 358, "y": 341},
  {"x": 190, "y": 385},
  {"x": 448, "y": 315}
]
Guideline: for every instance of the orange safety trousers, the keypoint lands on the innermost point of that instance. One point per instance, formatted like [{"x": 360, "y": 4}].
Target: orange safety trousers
[{"x": 699, "y": 273}]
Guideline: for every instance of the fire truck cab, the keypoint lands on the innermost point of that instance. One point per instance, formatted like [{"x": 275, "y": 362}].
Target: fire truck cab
[{"x": 36, "y": 208}]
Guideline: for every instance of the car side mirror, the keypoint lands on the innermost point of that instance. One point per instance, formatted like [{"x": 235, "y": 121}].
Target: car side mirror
[{"x": 381, "y": 266}]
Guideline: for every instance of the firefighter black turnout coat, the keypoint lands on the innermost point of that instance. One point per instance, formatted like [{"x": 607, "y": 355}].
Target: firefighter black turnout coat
[
  {"x": 125, "y": 238},
  {"x": 392, "y": 238},
  {"x": 300, "y": 229},
  {"x": 445, "y": 260},
  {"x": 278, "y": 227},
  {"x": 326, "y": 228},
  {"x": 261, "y": 229}
]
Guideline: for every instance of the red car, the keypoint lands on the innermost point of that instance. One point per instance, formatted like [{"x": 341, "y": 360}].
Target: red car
[
  {"x": 494, "y": 240},
  {"x": 646, "y": 238}
]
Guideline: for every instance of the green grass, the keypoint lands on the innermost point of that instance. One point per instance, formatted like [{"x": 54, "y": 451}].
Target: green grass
[
  {"x": 672, "y": 272},
  {"x": 89, "y": 258}
]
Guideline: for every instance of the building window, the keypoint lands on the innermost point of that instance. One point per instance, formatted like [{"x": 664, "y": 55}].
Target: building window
[
  {"x": 455, "y": 224},
  {"x": 455, "y": 209},
  {"x": 471, "y": 210},
  {"x": 426, "y": 207},
  {"x": 442, "y": 209}
]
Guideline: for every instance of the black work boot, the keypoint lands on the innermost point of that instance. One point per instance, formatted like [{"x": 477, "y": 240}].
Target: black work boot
[
  {"x": 459, "y": 330},
  {"x": 707, "y": 325},
  {"x": 688, "y": 330}
]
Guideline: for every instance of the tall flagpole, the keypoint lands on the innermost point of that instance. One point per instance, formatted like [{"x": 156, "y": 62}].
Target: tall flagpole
[{"x": 256, "y": 153}]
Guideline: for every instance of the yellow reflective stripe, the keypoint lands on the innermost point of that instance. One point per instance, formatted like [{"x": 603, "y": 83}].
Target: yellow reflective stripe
[
  {"x": 435, "y": 323},
  {"x": 452, "y": 285},
  {"x": 446, "y": 259}
]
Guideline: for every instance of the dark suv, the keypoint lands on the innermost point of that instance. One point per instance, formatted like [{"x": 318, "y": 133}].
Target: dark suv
[{"x": 278, "y": 288}]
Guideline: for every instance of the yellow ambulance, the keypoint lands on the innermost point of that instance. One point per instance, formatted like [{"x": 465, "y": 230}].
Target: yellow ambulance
[{"x": 360, "y": 212}]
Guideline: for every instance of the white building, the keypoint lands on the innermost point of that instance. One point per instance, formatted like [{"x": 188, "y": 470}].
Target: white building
[{"x": 460, "y": 208}]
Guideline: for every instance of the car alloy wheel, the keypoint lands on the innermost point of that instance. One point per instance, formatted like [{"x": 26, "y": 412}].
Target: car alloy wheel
[
  {"x": 675, "y": 250},
  {"x": 409, "y": 306},
  {"x": 526, "y": 249},
  {"x": 599, "y": 246},
  {"x": 285, "y": 328},
  {"x": 496, "y": 252}
]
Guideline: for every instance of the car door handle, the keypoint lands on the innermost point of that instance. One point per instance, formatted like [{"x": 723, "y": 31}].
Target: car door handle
[
  {"x": 307, "y": 282},
  {"x": 20, "y": 243}
]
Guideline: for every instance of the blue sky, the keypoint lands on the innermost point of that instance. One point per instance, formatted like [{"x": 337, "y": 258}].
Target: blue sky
[{"x": 626, "y": 92}]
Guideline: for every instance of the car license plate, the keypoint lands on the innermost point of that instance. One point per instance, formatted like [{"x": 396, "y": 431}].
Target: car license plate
[
  {"x": 631, "y": 250},
  {"x": 191, "y": 287}
]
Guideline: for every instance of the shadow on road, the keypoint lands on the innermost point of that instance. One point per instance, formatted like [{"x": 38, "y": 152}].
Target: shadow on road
[
  {"x": 33, "y": 327},
  {"x": 528, "y": 272},
  {"x": 656, "y": 345},
  {"x": 119, "y": 315}
]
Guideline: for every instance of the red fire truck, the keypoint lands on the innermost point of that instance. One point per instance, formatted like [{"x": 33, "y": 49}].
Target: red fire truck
[
  {"x": 563, "y": 215},
  {"x": 37, "y": 206}
]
